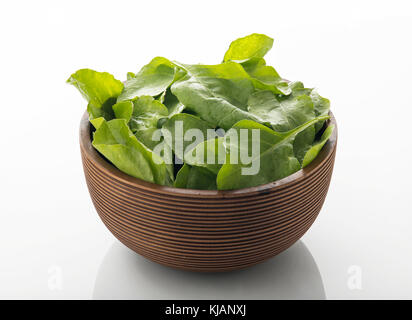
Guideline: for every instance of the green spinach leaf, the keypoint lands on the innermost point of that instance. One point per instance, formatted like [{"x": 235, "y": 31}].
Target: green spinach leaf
[
  {"x": 183, "y": 132},
  {"x": 172, "y": 103},
  {"x": 118, "y": 144},
  {"x": 285, "y": 115},
  {"x": 275, "y": 159},
  {"x": 142, "y": 114},
  {"x": 313, "y": 151},
  {"x": 265, "y": 77},
  {"x": 195, "y": 178},
  {"x": 216, "y": 93},
  {"x": 152, "y": 80},
  {"x": 209, "y": 154},
  {"x": 252, "y": 46},
  {"x": 100, "y": 89},
  {"x": 169, "y": 108}
]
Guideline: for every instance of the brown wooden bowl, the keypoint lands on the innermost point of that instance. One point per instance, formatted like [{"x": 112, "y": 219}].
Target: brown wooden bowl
[{"x": 206, "y": 230}]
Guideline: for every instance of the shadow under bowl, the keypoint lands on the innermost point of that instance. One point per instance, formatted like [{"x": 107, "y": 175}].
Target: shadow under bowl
[{"x": 206, "y": 230}]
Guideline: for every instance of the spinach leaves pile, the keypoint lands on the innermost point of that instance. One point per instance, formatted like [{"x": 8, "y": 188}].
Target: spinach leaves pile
[{"x": 241, "y": 93}]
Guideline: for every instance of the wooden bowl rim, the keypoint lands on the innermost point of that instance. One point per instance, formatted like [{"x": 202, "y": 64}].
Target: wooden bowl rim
[{"x": 98, "y": 160}]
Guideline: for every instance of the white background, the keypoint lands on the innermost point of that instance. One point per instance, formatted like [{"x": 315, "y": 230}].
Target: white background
[{"x": 357, "y": 53}]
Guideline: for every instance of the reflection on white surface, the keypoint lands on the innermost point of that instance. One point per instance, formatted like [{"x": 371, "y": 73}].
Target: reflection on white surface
[{"x": 292, "y": 274}]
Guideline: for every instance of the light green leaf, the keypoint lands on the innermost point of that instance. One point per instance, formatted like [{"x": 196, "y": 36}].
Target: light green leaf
[
  {"x": 142, "y": 115},
  {"x": 143, "y": 121},
  {"x": 216, "y": 93},
  {"x": 313, "y": 151},
  {"x": 123, "y": 110},
  {"x": 97, "y": 122},
  {"x": 117, "y": 143},
  {"x": 152, "y": 80},
  {"x": 273, "y": 161},
  {"x": 252, "y": 46},
  {"x": 130, "y": 75},
  {"x": 100, "y": 89},
  {"x": 195, "y": 178}
]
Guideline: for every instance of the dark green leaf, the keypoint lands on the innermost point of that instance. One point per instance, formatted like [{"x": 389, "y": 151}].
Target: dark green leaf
[
  {"x": 286, "y": 114},
  {"x": 172, "y": 103},
  {"x": 313, "y": 151},
  {"x": 195, "y": 178},
  {"x": 274, "y": 160},
  {"x": 321, "y": 106},
  {"x": 217, "y": 93}
]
